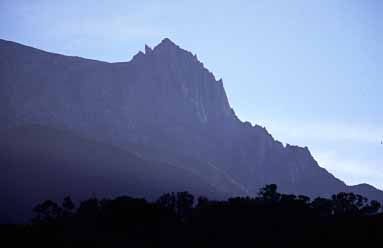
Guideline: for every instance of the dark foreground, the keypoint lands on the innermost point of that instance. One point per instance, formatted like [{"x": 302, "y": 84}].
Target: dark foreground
[{"x": 178, "y": 220}]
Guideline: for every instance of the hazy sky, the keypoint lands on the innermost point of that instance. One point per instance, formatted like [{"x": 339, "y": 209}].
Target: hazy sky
[{"x": 311, "y": 72}]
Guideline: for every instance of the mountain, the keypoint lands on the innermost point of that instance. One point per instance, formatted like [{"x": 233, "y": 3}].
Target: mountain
[{"x": 163, "y": 105}]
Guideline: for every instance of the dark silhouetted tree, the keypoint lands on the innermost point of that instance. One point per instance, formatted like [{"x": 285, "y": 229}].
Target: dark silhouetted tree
[
  {"x": 269, "y": 193},
  {"x": 48, "y": 211},
  {"x": 304, "y": 199},
  {"x": 68, "y": 204},
  {"x": 323, "y": 206},
  {"x": 287, "y": 199},
  {"x": 202, "y": 202},
  {"x": 184, "y": 204},
  {"x": 167, "y": 201},
  {"x": 348, "y": 203},
  {"x": 68, "y": 207},
  {"x": 371, "y": 208}
]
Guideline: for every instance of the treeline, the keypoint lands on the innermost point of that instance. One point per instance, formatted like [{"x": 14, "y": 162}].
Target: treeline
[{"x": 179, "y": 220}]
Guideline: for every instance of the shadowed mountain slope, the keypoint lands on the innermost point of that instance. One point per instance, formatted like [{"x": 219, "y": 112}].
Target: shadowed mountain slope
[{"x": 39, "y": 163}]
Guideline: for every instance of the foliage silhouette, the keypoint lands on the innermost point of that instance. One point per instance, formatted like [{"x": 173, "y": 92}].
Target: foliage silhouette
[{"x": 272, "y": 219}]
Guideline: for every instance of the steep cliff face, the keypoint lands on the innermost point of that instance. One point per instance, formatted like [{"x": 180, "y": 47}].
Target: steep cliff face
[{"x": 166, "y": 106}]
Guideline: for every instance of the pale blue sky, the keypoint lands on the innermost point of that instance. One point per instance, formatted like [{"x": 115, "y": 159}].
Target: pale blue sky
[{"x": 310, "y": 71}]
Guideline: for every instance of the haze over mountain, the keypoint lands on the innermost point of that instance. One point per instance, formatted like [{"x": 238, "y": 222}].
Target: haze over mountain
[{"x": 163, "y": 106}]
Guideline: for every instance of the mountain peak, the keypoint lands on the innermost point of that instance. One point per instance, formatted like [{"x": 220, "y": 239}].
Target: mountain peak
[
  {"x": 167, "y": 41},
  {"x": 167, "y": 44}
]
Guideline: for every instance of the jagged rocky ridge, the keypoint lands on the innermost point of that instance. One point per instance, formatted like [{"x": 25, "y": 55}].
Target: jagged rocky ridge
[{"x": 163, "y": 105}]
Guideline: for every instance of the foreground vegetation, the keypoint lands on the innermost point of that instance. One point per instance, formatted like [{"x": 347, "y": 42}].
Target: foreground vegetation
[{"x": 178, "y": 220}]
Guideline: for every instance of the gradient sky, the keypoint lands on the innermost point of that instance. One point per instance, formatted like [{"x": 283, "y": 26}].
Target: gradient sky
[{"x": 311, "y": 72}]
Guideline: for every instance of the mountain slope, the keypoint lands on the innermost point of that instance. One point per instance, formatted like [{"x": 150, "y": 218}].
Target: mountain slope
[
  {"x": 40, "y": 163},
  {"x": 166, "y": 101}
]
